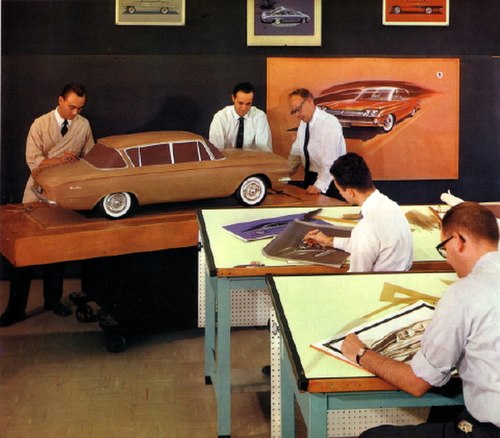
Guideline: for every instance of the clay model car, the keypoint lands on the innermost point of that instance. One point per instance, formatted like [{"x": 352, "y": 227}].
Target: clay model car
[
  {"x": 379, "y": 107},
  {"x": 282, "y": 15},
  {"x": 416, "y": 6},
  {"x": 163, "y": 6},
  {"x": 122, "y": 171}
]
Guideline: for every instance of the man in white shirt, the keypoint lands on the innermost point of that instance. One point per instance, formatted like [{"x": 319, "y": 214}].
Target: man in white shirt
[
  {"x": 318, "y": 144},
  {"x": 463, "y": 334},
  {"x": 241, "y": 125},
  {"x": 381, "y": 240}
]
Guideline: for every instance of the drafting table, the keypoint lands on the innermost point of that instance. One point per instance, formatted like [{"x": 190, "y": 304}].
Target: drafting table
[{"x": 320, "y": 382}]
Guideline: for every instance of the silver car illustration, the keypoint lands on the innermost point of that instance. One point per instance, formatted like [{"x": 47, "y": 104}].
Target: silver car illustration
[{"x": 282, "y": 15}]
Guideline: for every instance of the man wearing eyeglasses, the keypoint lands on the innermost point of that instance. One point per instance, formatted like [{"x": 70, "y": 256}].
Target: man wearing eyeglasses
[
  {"x": 241, "y": 125},
  {"x": 464, "y": 333},
  {"x": 318, "y": 144}
]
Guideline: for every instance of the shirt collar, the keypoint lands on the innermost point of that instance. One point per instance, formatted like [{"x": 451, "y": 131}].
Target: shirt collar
[
  {"x": 59, "y": 119},
  {"x": 370, "y": 202},
  {"x": 237, "y": 116}
]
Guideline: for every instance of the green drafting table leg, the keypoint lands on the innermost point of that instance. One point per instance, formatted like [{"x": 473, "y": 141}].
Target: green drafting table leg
[{"x": 218, "y": 348}]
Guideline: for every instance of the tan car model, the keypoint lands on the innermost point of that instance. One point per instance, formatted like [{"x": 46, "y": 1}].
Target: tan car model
[{"x": 122, "y": 171}]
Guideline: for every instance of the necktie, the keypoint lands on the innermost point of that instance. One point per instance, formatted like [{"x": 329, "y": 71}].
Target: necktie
[
  {"x": 64, "y": 128},
  {"x": 239, "y": 135},
  {"x": 306, "y": 152}
]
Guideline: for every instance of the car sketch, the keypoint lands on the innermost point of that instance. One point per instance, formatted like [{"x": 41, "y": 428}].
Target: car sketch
[
  {"x": 380, "y": 107},
  {"x": 123, "y": 171},
  {"x": 282, "y": 15},
  {"x": 163, "y": 6},
  {"x": 418, "y": 6}
]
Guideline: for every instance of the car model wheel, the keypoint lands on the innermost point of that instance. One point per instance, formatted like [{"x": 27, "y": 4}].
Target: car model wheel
[
  {"x": 389, "y": 123},
  {"x": 428, "y": 11},
  {"x": 277, "y": 21},
  {"x": 396, "y": 9},
  {"x": 164, "y": 11},
  {"x": 413, "y": 112},
  {"x": 303, "y": 21},
  {"x": 130, "y": 9},
  {"x": 116, "y": 205},
  {"x": 252, "y": 191}
]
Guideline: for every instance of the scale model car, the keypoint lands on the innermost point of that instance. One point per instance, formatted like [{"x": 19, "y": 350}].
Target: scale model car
[
  {"x": 123, "y": 171},
  {"x": 380, "y": 107},
  {"x": 282, "y": 15},
  {"x": 163, "y": 6}
]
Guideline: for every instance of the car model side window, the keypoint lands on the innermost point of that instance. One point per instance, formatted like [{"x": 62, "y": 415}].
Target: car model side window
[
  {"x": 155, "y": 154},
  {"x": 184, "y": 152}
]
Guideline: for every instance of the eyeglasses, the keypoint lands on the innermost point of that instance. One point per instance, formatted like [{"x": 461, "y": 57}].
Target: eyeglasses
[
  {"x": 298, "y": 109},
  {"x": 441, "y": 249}
]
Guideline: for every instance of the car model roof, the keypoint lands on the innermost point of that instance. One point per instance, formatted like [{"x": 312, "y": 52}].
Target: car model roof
[{"x": 143, "y": 138}]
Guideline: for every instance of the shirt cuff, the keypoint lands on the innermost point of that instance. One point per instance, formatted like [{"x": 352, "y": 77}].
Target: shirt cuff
[{"x": 341, "y": 243}]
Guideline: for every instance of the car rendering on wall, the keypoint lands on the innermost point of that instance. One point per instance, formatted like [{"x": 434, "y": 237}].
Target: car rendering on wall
[
  {"x": 123, "y": 171},
  {"x": 379, "y": 107},
  {"x": 416, "y": 6},
  {"x": 282, "y": 15},
  {"x": 163, "y": 6}
]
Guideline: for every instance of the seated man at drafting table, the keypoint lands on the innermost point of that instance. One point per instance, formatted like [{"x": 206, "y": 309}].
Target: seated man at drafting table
[
  {"x": 381, "y": 241},
  {"x": 464, "y": 333}
]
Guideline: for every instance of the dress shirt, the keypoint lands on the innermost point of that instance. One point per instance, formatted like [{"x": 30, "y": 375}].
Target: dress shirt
[
  {"x": 224, "y": 128},
  {"x": 326, "y": 144},
  {"x": 465, "y": 332},
  {"x": 381, "y": 240}
]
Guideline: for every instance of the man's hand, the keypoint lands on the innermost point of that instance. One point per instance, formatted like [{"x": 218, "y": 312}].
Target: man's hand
[
  {"x": 313, "y": 190},
  {"x": 316, "y": 237},
  {"x": 350, "y": 347}
]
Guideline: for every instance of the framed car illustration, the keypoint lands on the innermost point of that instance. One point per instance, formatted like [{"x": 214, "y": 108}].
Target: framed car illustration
[
  {"x": 416, "y": 12},
  {"x": 400, "y": 114},
  {"x": 150, "y": 12},
  {"x": 284, "y": 23}
]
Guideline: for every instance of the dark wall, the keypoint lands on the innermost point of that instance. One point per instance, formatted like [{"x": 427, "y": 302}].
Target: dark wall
[{"x": 169, "y": 77}]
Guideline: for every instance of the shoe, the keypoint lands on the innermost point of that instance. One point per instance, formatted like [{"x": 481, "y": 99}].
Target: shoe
[
  {"x": 11, "y": 317},
  {"x": 60, "y": 309},
  {"x": 266, "y": 370}
]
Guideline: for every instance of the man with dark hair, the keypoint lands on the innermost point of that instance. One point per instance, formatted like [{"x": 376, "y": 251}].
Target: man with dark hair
[
  {"x": 463, "y": 334},
  {"x": 58, "y": 137},
  {"x": 241, "y": 125},
  {"x": 381, "y": 240},
  {"x": 318, "y": 144}
]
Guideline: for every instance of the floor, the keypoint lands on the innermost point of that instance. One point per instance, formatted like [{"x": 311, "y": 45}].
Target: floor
[{"x": 57, "y": 379}]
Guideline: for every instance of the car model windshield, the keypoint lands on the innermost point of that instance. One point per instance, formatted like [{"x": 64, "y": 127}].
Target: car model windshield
[
  {"x": 102, "y": 157},
  {"x": 374, "y": 94}
]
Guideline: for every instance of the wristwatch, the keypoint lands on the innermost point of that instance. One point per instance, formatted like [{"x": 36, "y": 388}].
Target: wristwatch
[{"x": 360, "y": 354}]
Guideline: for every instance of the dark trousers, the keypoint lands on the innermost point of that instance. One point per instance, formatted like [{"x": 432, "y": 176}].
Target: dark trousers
[
  {"x": 449, "y": 429},
  {"x": 53, "y": 275},
  {"x": 309, "y": 180}
]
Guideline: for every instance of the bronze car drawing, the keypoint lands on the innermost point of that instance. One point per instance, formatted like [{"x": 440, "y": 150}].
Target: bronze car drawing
[{"x": 377, "y": 107}]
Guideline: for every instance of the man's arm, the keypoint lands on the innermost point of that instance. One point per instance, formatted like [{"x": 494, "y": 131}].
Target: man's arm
[
  {"x": 263, "y": 133},
  {"x": 217, "y": 132},
  {"x": 396, "y": 373}
]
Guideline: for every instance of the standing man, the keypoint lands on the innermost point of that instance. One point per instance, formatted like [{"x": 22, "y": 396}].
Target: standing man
[
  {"x": 381, "y": 240},
  {"x": 58, "y": 137},
  {"x": 318, "y": 144},
  {"x": 464, "y": 333},
  {"x": 241, "y": 125}
]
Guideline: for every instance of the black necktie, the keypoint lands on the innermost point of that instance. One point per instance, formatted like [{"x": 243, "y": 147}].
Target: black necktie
[
  {"x": 239, "y": 135},
  {"x": 306, "y": 152},
  {"x": 64, "y": 128}
]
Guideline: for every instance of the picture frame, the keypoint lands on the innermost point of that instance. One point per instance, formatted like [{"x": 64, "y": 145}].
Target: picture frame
[
  {"x": 405, "y": 150},
  {"x": 285, "y": 23},
  {"x": 150, "y": 12},
  {"x": 416, "y": 12}
]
